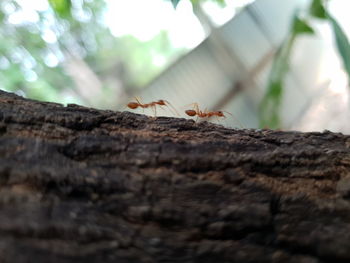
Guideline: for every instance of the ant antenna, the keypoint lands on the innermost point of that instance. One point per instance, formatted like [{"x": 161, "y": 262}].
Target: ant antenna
[
  {"x": 172, "y": 107},
  {"x": 234, "y": 117}
]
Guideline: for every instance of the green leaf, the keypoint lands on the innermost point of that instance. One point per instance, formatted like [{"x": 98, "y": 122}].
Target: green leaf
[
  {"x": 317, "y": 9},
  {"x": 271, "y": 103},
  {"x": 342, "y": 43},
  {"x": 221, "y": 3},
  {"x": 61, "y": 7},
  {"x": 301, "y": 27},
  {"x": 175, "y": 2}
]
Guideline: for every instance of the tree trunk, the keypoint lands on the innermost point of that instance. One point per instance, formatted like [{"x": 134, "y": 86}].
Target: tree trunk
[{"x": 85, "y": 185}]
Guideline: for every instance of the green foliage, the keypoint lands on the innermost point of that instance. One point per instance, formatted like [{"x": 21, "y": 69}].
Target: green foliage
[
  {"x": 342, "y": 43},
  {"x": 271, "y": 103},
  {"x": 61, "y": 7},
  {"x": 175, "y": 2},
  {"x": 140, "y": 61},
  {"x": 300, "y": 26},
  {"x": 317, "y": 9}
]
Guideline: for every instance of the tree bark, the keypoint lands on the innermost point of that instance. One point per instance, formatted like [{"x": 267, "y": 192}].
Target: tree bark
[{"x": 84, "y": 185}]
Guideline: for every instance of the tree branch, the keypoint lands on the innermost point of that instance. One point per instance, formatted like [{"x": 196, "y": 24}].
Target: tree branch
[{"x": 84, "y": 185}]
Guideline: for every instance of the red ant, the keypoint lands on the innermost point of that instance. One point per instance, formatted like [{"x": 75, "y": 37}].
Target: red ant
[
  {"x": 205, "y": 113},
  {"x": 134, "y": 105}
]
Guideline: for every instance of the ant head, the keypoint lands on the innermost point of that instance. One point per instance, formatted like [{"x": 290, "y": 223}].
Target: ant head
[
  {"x": 191, "y": 112},
  {"x": 162, "y": 102},
  {"x": 133, "y": 105},
  {"x": 220, "y": 114}
]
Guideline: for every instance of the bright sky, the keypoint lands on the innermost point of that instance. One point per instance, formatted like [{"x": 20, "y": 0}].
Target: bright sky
[
  {"x": 144, "y": 19},
  {"x": 334, "y": 65},
  {"x": 340, "y": 9}
]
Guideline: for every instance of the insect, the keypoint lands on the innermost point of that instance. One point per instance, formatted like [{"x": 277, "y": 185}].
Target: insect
[
  {"x": 205, "y": 113},
  {"x": 134, "y": 105}
]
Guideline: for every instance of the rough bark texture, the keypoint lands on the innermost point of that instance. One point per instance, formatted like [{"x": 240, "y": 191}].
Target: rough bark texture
[{"x": 86, "y": 185}]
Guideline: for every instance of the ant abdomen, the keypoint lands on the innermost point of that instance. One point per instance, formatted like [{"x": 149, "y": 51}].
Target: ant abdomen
[
  {"x": 191, "y": 113},
  {"x": 133, "y": 105}
]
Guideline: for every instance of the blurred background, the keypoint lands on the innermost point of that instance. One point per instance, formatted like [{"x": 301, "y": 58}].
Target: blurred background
[{"x": 272, "y": 64}]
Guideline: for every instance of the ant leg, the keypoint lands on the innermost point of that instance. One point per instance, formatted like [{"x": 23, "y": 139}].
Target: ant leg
[
  {"x": 140, "y": 104},
  {"x": 205, "y": 114},
  {"x": 172, "y": 108},
  {"x": 225, "y": 121},
  {"x": 239, "y": 123},
  {"x": 138, "y": 100},
  {"x": 196, "y": 106},
  {"x": 153, "y": 110},
  {"x": 236, "y": 119},
  {"x": 161, "y": 106}
]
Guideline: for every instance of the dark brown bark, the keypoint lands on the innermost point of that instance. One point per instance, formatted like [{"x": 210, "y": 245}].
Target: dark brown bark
[{"x": 86, "y": 185}]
